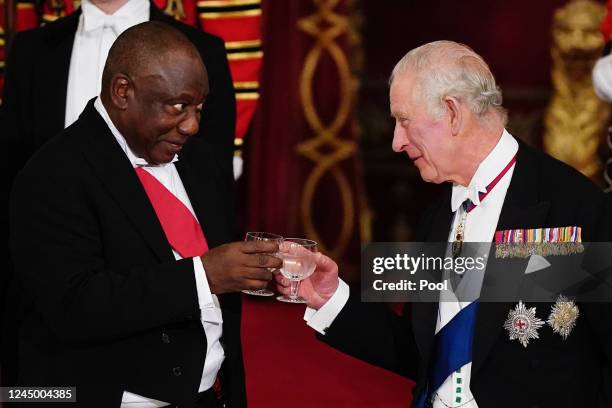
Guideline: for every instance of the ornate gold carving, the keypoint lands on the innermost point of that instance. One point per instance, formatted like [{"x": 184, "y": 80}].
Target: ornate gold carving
[
  {"x": 325, "y": 26},
  {"x": 174, "y": 8},
  {"x": 576, "y": 118}
]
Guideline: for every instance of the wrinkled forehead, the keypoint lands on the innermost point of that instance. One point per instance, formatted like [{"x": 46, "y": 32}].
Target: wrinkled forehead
[
  {"x": 176, "y": 74},
  {"x": 403, "y": 87}
]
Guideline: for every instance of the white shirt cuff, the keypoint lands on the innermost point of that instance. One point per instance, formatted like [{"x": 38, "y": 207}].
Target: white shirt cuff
[
  {"x": 209, "y": 304},
  {"x": 321, "y": 319}
]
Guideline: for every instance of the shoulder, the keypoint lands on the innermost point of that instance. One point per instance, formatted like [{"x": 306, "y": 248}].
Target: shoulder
[
  {"x": 47, "y": 35},
  {"x": 560, "y": 179},
  {"x": 574, "y": 199},
  {"x": 60, "y": 159}
]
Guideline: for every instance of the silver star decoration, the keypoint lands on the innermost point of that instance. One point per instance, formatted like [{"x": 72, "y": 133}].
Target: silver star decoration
[
  {"x": 563, "y": 316},
  {"x": 522, "y": 324}
]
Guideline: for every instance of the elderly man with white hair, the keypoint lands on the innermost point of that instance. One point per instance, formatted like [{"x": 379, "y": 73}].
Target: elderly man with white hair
[{"x": 450, "y": 122}]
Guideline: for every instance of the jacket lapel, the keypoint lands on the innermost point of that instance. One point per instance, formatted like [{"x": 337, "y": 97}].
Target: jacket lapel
[
  {"x": 60, "y": 39},
  {"x": 115, "y": 171},
  {"x": 424, "y": 314},
  {"x": 522, "y": 209},
  {"x": 204, "y": 199}
]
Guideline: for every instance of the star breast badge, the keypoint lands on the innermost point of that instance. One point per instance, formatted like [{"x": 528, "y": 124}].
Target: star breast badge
[
  {"x": 522, "y": 324},
  {"x": 563, "y": 316}
]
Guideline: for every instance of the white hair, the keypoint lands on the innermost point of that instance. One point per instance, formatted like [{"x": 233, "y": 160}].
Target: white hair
[{"x": 449, "y": 69}]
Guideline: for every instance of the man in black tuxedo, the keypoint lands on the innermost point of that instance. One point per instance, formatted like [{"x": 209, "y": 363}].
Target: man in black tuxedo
[
  {"x": 37, "y": 77},
  {"x": 450, "y": 123},
  {"x": 54, "y": 70},
  {"x": 110, "y": 225}
]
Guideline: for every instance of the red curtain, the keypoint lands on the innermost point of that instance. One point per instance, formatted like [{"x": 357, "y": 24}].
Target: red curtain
[{"x": 302, "y": 179}]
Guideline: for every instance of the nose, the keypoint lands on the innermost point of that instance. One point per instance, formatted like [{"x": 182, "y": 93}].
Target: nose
[
  {"x": 400, "y": 140},
  {"x": 190, "y": 125}
]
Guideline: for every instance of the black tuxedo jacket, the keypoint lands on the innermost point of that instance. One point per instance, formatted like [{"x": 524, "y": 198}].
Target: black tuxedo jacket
[
  {"x": 37, "y": 68},
  {"x": 34, "y": 105},
  {"x": 108, "y": 308},
  {"x": 550, "y": 372}
]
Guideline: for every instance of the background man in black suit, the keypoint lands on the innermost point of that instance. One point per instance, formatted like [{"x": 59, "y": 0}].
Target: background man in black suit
[
  {"x": 450, "y": 122},
  {"x": 54, "y": 70},
  {"x": 113, "y": 303}
]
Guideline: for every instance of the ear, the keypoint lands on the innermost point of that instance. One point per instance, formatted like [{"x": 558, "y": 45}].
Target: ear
[
  {"x": 121, "y": 87},
  {"x": 453, "y": 108}
]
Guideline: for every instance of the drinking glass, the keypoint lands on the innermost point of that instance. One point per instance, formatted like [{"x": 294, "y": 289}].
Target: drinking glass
[
  {"x": 262, "y": 236},
  {"x": 298, "y": 257}
]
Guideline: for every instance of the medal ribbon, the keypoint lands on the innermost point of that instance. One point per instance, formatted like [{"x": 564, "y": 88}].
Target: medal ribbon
[{"x": 492, "y": 184}]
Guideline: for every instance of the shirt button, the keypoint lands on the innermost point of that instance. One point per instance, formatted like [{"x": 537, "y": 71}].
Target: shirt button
[
  {"x": 177, "y": 371},
  {"x": 165, "y": 338}
]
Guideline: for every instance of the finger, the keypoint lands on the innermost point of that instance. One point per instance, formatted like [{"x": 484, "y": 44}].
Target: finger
[
  {"x": 255, "y": 247},
  {"x": 261, "y": 261},
  {"x": 282, "y": 281},
  {"x": 283, "y": 290},
  {"x": 253, "y": 284},
  {"x": 261, "y": 274},
  {"x": 324, "y": 263}
]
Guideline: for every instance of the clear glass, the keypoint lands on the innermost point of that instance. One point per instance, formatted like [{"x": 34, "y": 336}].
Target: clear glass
[
  {"x": 298, "y": 257},
  {"x": 262, "y": 236}
]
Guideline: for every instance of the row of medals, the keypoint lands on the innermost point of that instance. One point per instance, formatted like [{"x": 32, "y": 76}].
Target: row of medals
[{"x": 522, "y": 323}]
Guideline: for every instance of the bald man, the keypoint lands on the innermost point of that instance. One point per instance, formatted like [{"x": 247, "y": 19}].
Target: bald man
[{"x": 119, "y": 231}]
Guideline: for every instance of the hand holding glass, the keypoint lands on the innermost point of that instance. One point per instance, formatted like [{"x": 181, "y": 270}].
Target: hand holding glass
[
  {"x": 262, "y": 236},
  {"x": 299, "y": 263}
]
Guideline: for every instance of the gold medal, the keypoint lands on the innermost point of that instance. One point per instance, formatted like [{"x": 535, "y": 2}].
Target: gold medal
[{"x": 563, "y": 316}]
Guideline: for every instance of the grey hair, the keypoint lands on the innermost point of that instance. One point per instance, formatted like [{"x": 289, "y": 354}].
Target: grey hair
[{"x": 449, "y": 69}]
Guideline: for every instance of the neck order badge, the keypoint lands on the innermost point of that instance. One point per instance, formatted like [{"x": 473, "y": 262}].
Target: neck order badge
[{"x": 468, "y": 206}]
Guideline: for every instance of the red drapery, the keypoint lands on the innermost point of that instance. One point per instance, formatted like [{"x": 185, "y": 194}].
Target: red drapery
[{"x": 302, "y": 179}]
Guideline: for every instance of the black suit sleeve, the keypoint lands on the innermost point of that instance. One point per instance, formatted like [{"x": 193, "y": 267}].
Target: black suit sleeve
[
  {"x": 59, "y": 257},
  {"x": 218, "y": 121},
  {"x": 373, "y": 333},
  {"x": 12, "y": 112}
]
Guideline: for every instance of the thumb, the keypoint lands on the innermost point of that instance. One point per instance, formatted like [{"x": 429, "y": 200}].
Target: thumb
[{"x": 325, "y": 264}]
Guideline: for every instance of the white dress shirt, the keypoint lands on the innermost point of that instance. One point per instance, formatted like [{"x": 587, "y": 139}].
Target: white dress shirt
[
  {"x": 210, "y": 308},
  {"x": 95, "y": 34},
  {"x": 480, "y": 225}
]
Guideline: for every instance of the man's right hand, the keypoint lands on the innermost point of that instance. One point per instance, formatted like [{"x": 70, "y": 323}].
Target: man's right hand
[
  {"x": 319, "y": 287},
  {"x": 240, "y": 265}
]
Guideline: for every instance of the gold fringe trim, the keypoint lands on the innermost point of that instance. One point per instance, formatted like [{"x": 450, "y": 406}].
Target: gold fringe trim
[
  {"x": 247, "y": 96},
  {"x": 232, "y": 45},
  {"x": 231, "y": 14},
  {"x": 244, "y": 55},
  {"x": 228, "y": 3},
  {"x": 246, "y": 85},
  {"x": 525, "y": 250}
]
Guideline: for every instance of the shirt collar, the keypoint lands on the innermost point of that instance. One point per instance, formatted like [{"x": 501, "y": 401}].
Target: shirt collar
[
  {"x": 135, "y": 160},
  {"x": 489, "y": 168},
  {"x": 131, "y": 13}
]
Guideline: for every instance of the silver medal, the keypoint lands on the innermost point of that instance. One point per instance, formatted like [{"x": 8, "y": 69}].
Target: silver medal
[{"x": 522, "y": 324}]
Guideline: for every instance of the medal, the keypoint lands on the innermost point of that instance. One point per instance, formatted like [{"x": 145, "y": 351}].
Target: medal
[
  {"x": 563, "y": 316},
  {"x": 522, "y": 324}
]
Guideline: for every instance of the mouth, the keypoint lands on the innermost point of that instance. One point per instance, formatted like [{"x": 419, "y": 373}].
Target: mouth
[
  {"x": 175, "y": 146},
  {"x": 414, "y": 157}
]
